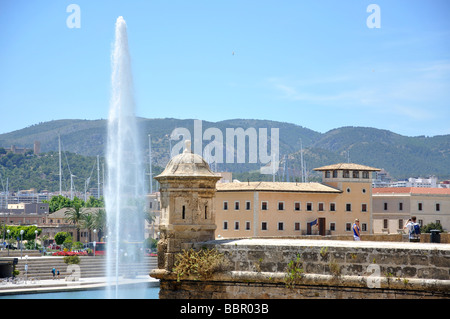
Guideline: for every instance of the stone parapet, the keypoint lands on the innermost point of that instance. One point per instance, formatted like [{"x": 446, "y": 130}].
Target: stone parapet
[{"x": 325, "y": 269}]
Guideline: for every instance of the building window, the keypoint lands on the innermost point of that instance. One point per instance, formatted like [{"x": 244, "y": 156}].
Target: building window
[
  {"x": 247, "y": 225},
  {"x": 264, "y": 226},
  {"x": 363, "y": 227},
  {"x": 348, "y": 226},
  {"x": 400, "y": 207},
  {"x": 365, "y": 174},
  {"x": 297, "y": 226},
  {"x": 280, "y": 205},
  {"x": 236, "y": 225},
  {"x": 280, "y": 226},
  {"x": 348, "y": 207},
  {"x": 364, "y": 207},
  {"x": 346, "y": 174},
  {"x": 438, "y": 207},
  {"x": 419, "y": 206},
  {"x": 335, "y": 174},
  {"x": 385, "y": 206},
  {"x": 247, "y": 205},
  {"x": 332, "y": 207},
  {"x": 321, "y": 207},
  {"x": 225, "y": 225},
  {"x": 225, "y": 205},
  {"x": 400, "y": 224},
  {"x": 309, "y": 207},
  {"x": 385, "y": 223},
  {"x": 327, "y": 174},
  {"x": 183, "y": 213},
  {"x": 236, "y": 205},
  {"x": 264, "y": 205},
  {"x": 348, "y": 190},
  {"x": 297, "y": 206},
  {"x": 332, "y": 226},
  {"x": 206, "y": 212},
  {"x": 355, "y": 174}
]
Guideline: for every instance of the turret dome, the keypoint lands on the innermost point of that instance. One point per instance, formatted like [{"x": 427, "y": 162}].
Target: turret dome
[{"x": 187, "y": 164}]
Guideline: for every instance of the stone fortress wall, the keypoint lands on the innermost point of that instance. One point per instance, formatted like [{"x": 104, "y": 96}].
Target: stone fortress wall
[
  {"x": 329, "y": 269},
  {"x": 281, "y": 268}
]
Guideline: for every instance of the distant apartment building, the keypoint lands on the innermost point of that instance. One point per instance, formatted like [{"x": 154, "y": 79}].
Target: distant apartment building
[
  {"x": 382, "y": 179},
  {"x": 24, "y": 213},
  {"x": 265, "y": 209},
  {"x": 25, "y": 197},
  {"x": 154, "y": 208},
  {"x": 444, "y": 184},
  {"x": 417, "y": 182},
  {"x": 393, "y": 206}
]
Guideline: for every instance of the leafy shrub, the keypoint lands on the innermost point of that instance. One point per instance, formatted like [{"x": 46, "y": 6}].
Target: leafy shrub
[
  {"x": 74, "y": 259},
  {"x": 294, "y": 272},
  {"x": 200, "y": 264}
]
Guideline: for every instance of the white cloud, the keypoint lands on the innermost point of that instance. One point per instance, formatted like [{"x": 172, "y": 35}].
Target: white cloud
[{"x": 419, "y": 92}]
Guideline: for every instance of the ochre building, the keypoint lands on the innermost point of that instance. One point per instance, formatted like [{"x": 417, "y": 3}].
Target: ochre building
[{"x": 265, "y": 209}]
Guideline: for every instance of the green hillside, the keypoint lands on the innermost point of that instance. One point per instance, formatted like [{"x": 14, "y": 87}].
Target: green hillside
[
  {"x": 401, "y": 156},
  {"x": 42, "y": 172}
]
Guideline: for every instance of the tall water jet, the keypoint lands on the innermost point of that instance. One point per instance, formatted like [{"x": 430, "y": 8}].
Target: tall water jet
[{"x": 124, "y": 192}]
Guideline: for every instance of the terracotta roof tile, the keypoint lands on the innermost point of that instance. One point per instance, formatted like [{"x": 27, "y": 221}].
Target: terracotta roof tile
[
  {"x": 349, "y": 166},
  {"x": 276, "y": 187},
  {"x": 411, "y": 190}
]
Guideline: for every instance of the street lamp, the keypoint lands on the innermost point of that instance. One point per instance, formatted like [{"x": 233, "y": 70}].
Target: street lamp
[
  {"x": 26, "y": 268},
  {"x": 95, "y": 232},
  {"x": 21, "y": 238},
  {"x": 9, "y": 240}
]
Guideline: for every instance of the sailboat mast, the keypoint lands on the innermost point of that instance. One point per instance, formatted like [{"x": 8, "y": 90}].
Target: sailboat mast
[
  {"x": 60, "y": 173},
  {"x": 150, "y": 161},
  {"x": 98, "y": 177},
  {"x": 301, "y": 161}
]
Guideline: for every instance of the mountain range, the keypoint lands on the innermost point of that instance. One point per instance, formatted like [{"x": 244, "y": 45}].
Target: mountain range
[{"x": 401, "y": 156}]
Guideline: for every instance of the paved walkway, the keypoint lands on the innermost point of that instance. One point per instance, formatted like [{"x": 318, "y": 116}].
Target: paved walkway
[
  {"x": 326, "y": 243},
  {"x": 52, "y": 285}
]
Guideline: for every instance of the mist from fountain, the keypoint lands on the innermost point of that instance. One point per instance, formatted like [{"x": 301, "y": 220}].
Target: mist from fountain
[{"x": 125, "y": 187}]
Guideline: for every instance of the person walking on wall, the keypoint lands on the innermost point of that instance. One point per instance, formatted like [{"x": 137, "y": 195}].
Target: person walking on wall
[
  {"x": 413, "y": 229},
  {"x": 356, "y": 233}
]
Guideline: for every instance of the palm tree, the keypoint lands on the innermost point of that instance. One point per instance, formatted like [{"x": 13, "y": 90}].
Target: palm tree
[
  {"x": 150, "y": 217},
  {"x": 88, "y": 222},
  {"x": 100, "y": 221},
  {"x": 75, "y": 215}
]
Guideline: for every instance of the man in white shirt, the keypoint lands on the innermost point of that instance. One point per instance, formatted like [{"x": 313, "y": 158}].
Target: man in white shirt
[{"x": 413, "y": 236}]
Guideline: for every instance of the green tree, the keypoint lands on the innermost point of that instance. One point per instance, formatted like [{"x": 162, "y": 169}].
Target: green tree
[
  {"x": 61, "y": 237},
  {"x": 58, "y": 202},
  {"x": 429, "y": 227},
  {"x": 28, "y": 232},
  {"x": 94, "y": 202}
]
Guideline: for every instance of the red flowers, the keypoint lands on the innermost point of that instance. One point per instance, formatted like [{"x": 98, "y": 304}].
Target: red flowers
[{"x": 70, "y": 253}]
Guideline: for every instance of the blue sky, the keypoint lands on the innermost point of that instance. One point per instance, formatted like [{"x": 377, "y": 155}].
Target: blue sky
[{"x": 313, "y": 63}]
